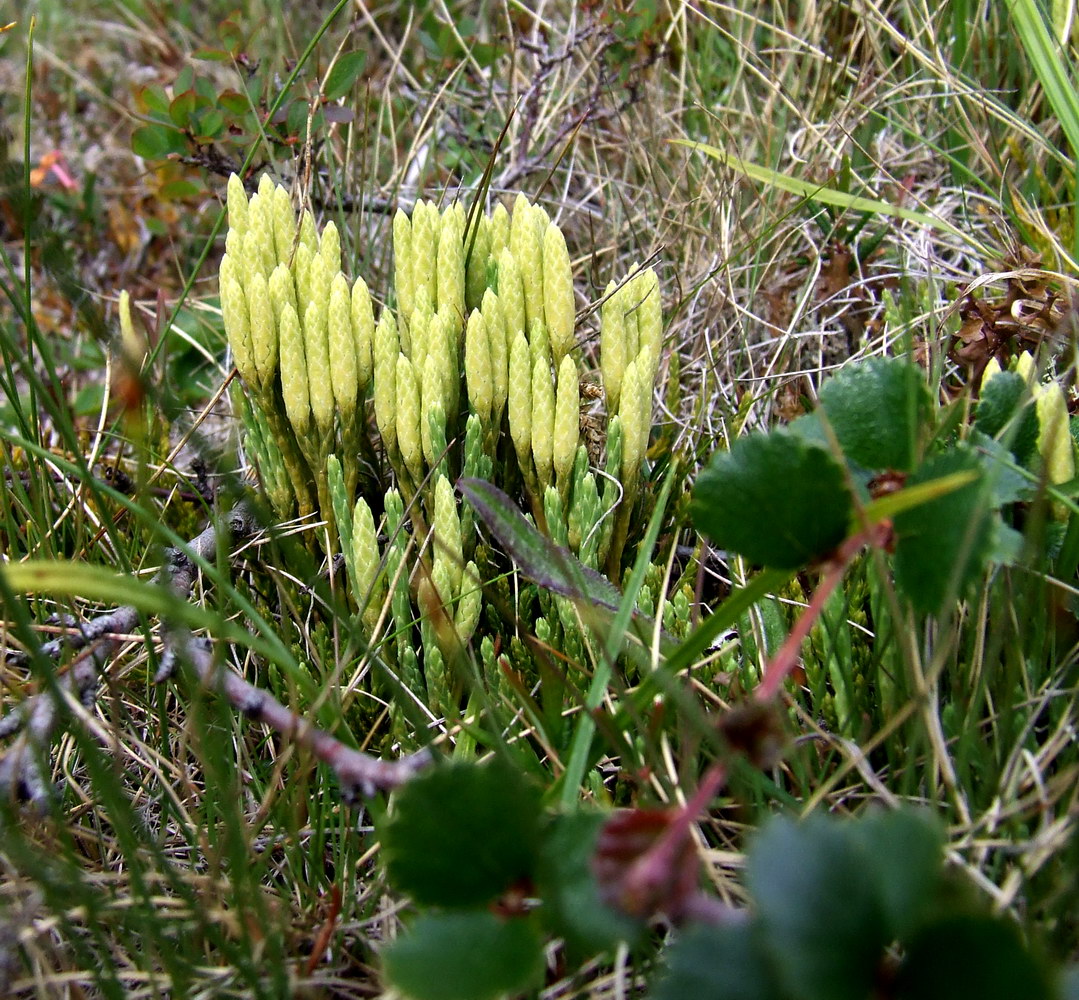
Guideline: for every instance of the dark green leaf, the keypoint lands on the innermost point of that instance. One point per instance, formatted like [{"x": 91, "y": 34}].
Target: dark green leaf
[
  {"x": 965, "y": 956},
  {"x": 905, "y": 852},
  {"x": 572, "y": 906},
  {"x": 211, "y": 55},
  {"x": 465, "y": 956},
  {"x": 230, "y": 34},
  {"x": 155, "y": 142},
  {"x": 775, "y": 498},
  {"x": 233, "y": 102},
  {"x": 180, "y": 189},
  {"x": 185, "y": 80},
  {"x": 943, "y": 545},
  {"x": 1007, "y": 483},
  {"x": 1005, "y": 400},
  {"x": 877, "y": 409},
  {"x": 181, "y": 107},
  {"x": 823, "y": 927},
  {"x": 346, "y": 71},
  {"x": 296, "y": 119},
  {"x": 154, "y": 98},
  {"x": 337, "y": 114},
  {"x": 209, "y": 126},
  {"x": 539, "y": 558},
  {"x": 206, "y": 91},
  {"x": 717, "y": 963},
  {"x": 461, "y": 834}
]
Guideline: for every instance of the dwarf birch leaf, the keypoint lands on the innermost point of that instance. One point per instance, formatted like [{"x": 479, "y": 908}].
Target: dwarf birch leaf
[
  {"x": 717, "y": 963},
  {"x": 877, "y": 409},
  {"x": 1004, "y": 400},
  {"x": 943, "y": 545},
  {"x": 471, "y": 955},
  {"x": 461, "y": 834},
  {"x": 573, "y": 908},
  {"x": 905, "y": 854},
  {"x": 970, "y": 956},
  {"x": 823, "y": 926},
  {"x": 777, "y": 499}
]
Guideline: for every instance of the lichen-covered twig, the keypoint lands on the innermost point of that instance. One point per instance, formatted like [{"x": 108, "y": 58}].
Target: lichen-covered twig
[
  {"x": 23, "y": 772},
  {"x": 360, "y": 774}
]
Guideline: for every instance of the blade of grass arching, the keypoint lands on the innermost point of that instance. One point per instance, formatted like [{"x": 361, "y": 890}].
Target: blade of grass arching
[
  {"x": 1057, "y": 80},
  {"x": 828, "y": 196},
  {"x": 270, "y": 644},
  {"x": 577, "y": 760}
]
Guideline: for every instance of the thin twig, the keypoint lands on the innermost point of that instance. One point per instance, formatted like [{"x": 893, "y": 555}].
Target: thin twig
[{"x": 22, "y": 771}]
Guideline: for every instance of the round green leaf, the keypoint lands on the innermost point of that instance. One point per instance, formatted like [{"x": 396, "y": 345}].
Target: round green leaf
[
  {"x": 462, "y": 833},
  {"x": 155, "y": 142},
  {"x": 1004, "y": 397},
  {"x": 877, "y": 409},
  {"x": 345, "y": 73},
  {"x": 717, "y": 963},
  {"x": 905, "y": 854},
  {"x": 942, "y": 546},
  {"x": 970, "y": 956},
  {"x": 823, "y": 926},
  {"x": 572, "y": 908},
  {"x": 777, "y": 499},
  {"x": 465, "y": 956}
]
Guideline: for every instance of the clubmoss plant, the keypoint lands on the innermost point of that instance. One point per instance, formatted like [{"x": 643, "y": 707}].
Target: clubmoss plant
[{"x": 472, "y": 368}]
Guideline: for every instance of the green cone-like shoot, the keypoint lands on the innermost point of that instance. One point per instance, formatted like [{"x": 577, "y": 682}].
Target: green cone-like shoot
[
  {"x": 449, "y": 546},
  {"x": 317, "y": 349},
  {"x": 450, "y": 269},
  {"x": 558, "y": 307},
  {"x": 478, "y": 374},
  {"x": 237, "y": 323},
  {"x": 519, "y": 402},
  {"x": 329, "y": 249},
  {"x": 263, "y": 329},
  {"x": 528, "y": 252},
  {"x": 236, "y": 200},
  {"x": 500, "y": 230},
  {"x": 294, "y": 372},
  {"x": 567, "y": 422},
  {"x": 542, "y": 421},
  {"x": 408, "y": 418},
  {"x": 499, "y": 348},
  {"x": 511, "y": 295},
  {"x": 612, "y": 346},
  {"x": 344, "y": 371},
  {"x": 363, "y": 331},
  {"x": 476, "y": 264},
  {"x": 425, "y": 231},
  {"x": 432, "y": 394},
  {"x": 384, "y": 353},
  {"x": 284, "y": 225}
]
